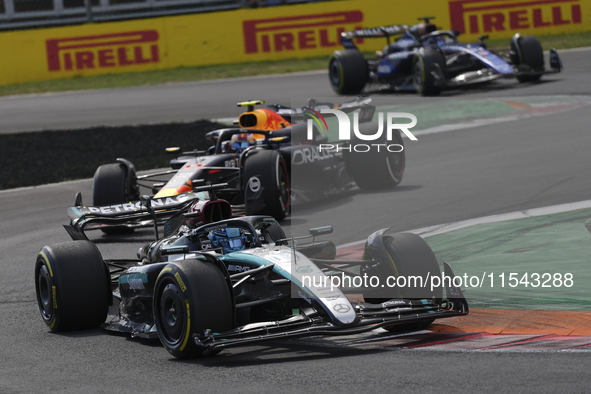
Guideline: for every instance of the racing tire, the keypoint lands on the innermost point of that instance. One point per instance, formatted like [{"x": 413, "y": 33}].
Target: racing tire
[
  {"x": 410, "y": 256},
  {"x": 276, "y": 232},
  {"x": 529, "y": 53},
  {"x": 266, "y": 179},
  {"x": 72, "y": 286},
  {"x": 111, "y": 186},
  {"x": 191, "y": 297},
  {"x": 375, "y": 170},
  {"x": 348, "y": 71},
  {"x": 425, "y": 63}
]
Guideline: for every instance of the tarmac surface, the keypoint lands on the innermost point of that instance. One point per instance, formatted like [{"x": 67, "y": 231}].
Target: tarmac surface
[{"x": 185, "y": 102}]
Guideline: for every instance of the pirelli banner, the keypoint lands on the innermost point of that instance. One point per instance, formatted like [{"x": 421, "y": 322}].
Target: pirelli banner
[{"x": 273, "y": 33}]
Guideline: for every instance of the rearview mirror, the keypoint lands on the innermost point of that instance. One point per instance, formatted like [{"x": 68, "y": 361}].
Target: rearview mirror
[{"x": 315, "y": 232}]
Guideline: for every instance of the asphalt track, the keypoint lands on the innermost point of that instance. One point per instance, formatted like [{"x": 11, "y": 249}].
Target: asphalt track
[
  {"x": 458, "y": 175},
  {"x": 217, "y": 99}
]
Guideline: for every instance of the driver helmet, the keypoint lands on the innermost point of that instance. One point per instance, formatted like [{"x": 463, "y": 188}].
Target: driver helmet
[
  {"x": 230, "y": 239},
  {"x": 242, "y": 141},
  {"x": 421, "y": 29},
  {"x": 443, "y": 40}
]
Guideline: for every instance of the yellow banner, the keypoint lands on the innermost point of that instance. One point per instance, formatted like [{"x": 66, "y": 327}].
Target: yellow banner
[
  {"x": 504, "y": 18},
  {"x": 273, "y": 33}
]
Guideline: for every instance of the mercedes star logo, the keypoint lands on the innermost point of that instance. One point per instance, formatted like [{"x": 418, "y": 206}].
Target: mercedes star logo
[{"x": 341, "y": 308}]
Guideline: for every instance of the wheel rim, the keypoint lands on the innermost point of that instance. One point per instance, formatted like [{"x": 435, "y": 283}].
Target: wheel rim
[
  {"x": 171, "y": 314},
  {"x": 418, "y": 75},
  {"x": 44, "y": 293},
  {"x": 283, "y": 185},
  {"x": 395, "y": 161},
  {"x": 335, "y": 73}
]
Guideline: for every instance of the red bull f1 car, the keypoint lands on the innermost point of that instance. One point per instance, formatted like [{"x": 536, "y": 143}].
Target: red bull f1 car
[
  {"x": 256, "y": 160},
  {"x": 214, "y": 282},
  {"x": 427, "y": 60}
]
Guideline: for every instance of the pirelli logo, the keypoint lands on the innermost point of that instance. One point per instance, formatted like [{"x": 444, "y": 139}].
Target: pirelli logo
[
  {"x": 486, "y": 16},
  {"x": 298, "y": 32},
  {"x": 103, "y": 51}
]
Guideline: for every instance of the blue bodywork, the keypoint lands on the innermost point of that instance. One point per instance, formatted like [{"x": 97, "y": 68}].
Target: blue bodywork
[
  {"x": 395, "y": 61},
  {"x": 488, "y": 58},
  {"x": 426, "y": 60},
  {"x": 394, "y": 64}
]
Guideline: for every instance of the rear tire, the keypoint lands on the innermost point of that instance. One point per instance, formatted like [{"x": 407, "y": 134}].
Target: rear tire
[
  {"x": 266, "y": 176},
  {"x": 112, "y": 185},
  {"x": 190, "y": 297},
  {"x": 376, "y": 170},
  {"x": 529, "y": 53},
  {"x": 347, "y": 71},
  {"x": 425, "y": 63},
  {"x": 72, "y": 286}
]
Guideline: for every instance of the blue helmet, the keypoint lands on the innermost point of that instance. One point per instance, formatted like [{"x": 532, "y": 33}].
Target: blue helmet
[{"x": 229, "y": 239}]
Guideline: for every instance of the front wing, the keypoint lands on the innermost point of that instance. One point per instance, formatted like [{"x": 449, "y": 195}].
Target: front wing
[{"x": 369, "y": 317}]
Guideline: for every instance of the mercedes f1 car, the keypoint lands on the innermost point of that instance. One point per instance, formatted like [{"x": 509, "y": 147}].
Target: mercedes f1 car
[
  {"x": 257, "y": 159},
  {"x": 215, "y": 282},
  {"x": 427, "y": 60}
]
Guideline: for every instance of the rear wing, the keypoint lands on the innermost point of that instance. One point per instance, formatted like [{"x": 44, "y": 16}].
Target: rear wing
[
  {"x": 375, "y": 32},
  {"x": 146, "y": 212},
  {"x": 362, "y": 103}
]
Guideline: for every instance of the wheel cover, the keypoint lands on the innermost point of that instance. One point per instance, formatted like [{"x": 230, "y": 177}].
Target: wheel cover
[
  {"x": 419, "y": 75},
  {"x": 395, "y": 161},
  {"x": 334, "y": 73},
  {"x": 283, "y": 184},
  {"x": 171, "y": 314},
  {"x": 44, "y": 292}
]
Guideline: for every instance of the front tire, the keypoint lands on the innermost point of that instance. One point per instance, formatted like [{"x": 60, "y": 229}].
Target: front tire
[
  {"x": 276, "y": 232},
  {"x": 190, "y": 297},
  {"x": 72, "y": 286},
  {"x": 408, "y": 255},
  {"x": 425, "y": 63},
  {"x": 376, "y": 170},
  {"x": 347, "y": 71},
  {"x": 528, "y": 50},
  {"x": 267, "y": 185}
]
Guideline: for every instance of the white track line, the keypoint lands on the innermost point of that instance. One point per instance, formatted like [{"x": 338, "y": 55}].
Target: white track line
[
  {"x": 18, "y": 189},
  {"x": 430, "y": 231},
  {"x": 190, "y": 83},
  {"x": 581, "y": 49}
]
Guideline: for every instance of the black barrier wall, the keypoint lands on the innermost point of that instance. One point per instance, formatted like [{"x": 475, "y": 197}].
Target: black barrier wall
[{"x": 36, "y": 158}]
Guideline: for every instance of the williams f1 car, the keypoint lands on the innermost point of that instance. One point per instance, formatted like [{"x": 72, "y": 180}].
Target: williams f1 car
[
  {"x": 257, "y": 160},
  {"x": 215, "y": 282},
  {"x": 427, "y": 60}
]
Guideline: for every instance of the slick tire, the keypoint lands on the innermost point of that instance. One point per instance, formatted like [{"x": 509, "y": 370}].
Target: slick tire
[
  {"x": 112, "y": 186},
  {"x": 425, "y": 63},
  {"x": 190, "y": 297},
  {"x": 375, "y": 170},
  {"x": 347, "y": 71},
  {"x": 411, "y": 256},
  {"x": 267, "y": 185},
  {"x": 72, "y": 286},
  {"x": 529, "y": 53},
  {"x": 276, "y": 232}
]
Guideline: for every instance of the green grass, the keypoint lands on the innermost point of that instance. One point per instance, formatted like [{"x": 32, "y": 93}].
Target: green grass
[
  {"x": 181, "y": 74},
  {"x": 187, "y": 74}
]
